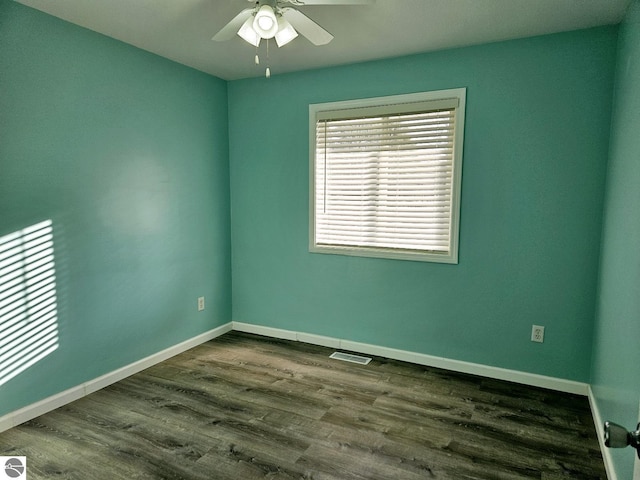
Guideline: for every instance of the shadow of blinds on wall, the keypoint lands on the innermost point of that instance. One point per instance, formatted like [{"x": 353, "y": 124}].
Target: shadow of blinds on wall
[{"x": 28, "y": 303}]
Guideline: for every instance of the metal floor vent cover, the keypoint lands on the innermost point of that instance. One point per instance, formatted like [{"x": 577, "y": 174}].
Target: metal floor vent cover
[{"x": 347, "y": 357}]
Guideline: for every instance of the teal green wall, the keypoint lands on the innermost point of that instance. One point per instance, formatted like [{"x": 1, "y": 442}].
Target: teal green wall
[
  {"x": 127, "y": 154},
  {"x": 616, "y": 359},
  {"x": 536, "y": 140}
]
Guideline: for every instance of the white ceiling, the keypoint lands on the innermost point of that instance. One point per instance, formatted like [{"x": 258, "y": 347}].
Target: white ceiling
[{"x": 181, "y": 30}]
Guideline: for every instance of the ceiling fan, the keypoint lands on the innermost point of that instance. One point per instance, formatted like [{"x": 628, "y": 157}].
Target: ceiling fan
[{"x": 280, "y": 19}]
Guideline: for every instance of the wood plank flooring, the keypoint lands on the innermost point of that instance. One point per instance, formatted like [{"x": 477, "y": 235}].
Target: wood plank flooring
[{"x": 248, "y": 407}]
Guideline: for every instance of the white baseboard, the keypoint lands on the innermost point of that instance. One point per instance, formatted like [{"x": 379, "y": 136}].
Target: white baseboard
[
  {"x": 31, "y": 411},
  {"x": 46, "y": 405},
  {"x": 606, "y": 452},
  {"x": 531, "y": 379},
  {"x": 34, "y": 410}
]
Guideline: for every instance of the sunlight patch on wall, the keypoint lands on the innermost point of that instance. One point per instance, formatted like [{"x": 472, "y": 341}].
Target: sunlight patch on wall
[{"x": 28, "y": 303}]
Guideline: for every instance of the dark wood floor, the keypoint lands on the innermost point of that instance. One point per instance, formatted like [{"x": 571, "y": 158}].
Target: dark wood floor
[{"x": 244, "y": 407}]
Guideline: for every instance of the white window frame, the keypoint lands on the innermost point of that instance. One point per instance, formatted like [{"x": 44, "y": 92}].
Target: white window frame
[{"x": 379, "y": 106}]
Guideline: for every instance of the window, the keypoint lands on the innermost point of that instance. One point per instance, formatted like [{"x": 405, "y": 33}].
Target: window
[{"x": 385, "y": 176}]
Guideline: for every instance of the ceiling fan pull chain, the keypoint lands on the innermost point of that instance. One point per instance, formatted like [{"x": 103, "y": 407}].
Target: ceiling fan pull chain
[{"x": 267, "y": 72}]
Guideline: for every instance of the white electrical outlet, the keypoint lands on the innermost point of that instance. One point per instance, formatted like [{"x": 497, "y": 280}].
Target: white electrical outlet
[
  {"x": 537, "y": 334},
  {"x": 200, "y": 304}
]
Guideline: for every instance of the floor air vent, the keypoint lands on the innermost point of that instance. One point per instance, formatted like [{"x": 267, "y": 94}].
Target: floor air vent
[{"x": 347, "y": 357}]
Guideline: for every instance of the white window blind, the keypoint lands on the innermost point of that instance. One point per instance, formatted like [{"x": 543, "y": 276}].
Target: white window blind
[{"x": 386, "y": 179}]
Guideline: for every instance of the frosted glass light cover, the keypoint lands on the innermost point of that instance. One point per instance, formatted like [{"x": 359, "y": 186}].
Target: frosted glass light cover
[
  {"x": 248, "y": 34},
  {"x": 286, "y": 32}
]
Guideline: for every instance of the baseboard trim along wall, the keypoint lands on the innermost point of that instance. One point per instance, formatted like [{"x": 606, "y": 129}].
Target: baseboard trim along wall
[
  {"x": 568, "y": 386},
  {"x": 31, "y": 411},
  {"x": 55, "y": 401},
  {"x": 599, "y": 423},
  {"x": 532, "y": 379}
]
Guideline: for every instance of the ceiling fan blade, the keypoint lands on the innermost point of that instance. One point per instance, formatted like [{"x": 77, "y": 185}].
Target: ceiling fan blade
[
  {"x": 335, "y": 2},
  {"x": 230, "y": 29},
  {"x": 307, "y": 27}
]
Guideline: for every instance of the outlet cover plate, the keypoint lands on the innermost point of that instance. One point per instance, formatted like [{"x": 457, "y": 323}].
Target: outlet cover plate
[{"x": 537, "y": 333}]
